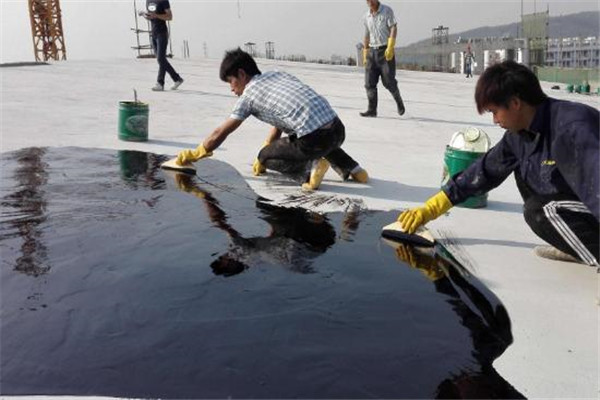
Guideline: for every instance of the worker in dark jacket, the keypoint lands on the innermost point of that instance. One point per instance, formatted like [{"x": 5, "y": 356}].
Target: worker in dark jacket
[{"x": 551, "y": 146}]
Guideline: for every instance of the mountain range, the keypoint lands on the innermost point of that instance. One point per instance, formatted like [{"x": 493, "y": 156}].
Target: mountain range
[{"x": 583, "y": 24}]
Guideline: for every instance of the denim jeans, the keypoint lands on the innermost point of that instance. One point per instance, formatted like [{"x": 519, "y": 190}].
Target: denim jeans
[{"x": 159, "y": 43}]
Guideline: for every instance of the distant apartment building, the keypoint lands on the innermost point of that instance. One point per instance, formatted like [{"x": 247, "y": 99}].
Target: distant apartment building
[{"x": 573, "y": 53}]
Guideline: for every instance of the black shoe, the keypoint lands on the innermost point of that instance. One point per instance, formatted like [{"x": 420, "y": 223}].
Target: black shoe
[
  {"x": 368, "y": 113},
  {"x": 401, "y": 108}
]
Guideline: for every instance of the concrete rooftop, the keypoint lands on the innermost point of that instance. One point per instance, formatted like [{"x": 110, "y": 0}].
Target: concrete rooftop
[{"x": 553, "y": 306}]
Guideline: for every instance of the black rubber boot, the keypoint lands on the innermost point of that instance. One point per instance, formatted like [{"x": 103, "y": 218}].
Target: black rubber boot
[
  {"x": 372, "y": 109},
  {"x": 368, "y": 113},
  {"x": 399, "y": 103}
]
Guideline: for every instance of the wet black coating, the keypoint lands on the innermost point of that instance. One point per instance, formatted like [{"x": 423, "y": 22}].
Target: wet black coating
[{"x": 121, "y": 279}]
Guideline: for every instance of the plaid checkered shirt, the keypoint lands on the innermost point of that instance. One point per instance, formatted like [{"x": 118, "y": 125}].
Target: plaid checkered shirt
[{"x": 281, "y": 100}]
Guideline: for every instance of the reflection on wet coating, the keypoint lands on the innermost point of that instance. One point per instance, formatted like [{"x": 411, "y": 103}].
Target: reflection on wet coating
[
  {"x": 489, "y": 324},
  {"x": 23, "y": 211},
  {"x": 295, "y": 236},
  {"x": 158, "y": 284}
]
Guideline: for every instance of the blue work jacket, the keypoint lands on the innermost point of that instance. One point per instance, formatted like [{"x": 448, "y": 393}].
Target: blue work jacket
[{"x": 558, "y": 156}]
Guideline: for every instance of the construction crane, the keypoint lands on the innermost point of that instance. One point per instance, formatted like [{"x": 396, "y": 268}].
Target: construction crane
[{"x": 46, "y": 30}]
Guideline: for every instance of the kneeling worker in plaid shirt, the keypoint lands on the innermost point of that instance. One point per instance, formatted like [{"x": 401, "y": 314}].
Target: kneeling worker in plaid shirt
[{"x": 314, "y": 131}]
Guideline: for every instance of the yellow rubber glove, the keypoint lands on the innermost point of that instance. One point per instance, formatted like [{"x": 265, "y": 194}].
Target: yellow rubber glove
[
  {"x": 365, "y": 52},
  {"x": 389, "y": 51},
  {"x": 189, "y": 156},
  {"x": 433, "y": 208},
  {"x": 257, "y": 167}
]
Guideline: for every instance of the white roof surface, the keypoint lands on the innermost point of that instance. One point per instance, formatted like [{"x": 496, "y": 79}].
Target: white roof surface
[{"x": 553, "y": 306}]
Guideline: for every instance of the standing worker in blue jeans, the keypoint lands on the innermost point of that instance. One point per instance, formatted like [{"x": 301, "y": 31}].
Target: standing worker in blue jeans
[
  {"x": 158, "y": 12},
  {"x": 378, "y": 55},
  {"x": 469, "y": 60}
]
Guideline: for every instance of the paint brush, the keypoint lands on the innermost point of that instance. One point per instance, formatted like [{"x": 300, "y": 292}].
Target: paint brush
[
  {"x": 422, "y": 237},
  {"x": 172, "y": 165}
]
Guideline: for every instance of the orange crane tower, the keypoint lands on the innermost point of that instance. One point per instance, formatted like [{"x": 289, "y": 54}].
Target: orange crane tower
[{"x": 46, "y": 30}]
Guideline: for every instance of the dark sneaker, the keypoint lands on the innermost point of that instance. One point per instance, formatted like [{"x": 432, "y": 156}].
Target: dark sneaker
[
  {"x": 368, "y": 113},
  {"x": 401, "y": 108}
]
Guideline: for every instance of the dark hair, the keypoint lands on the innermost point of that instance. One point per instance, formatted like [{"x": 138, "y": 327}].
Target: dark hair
[
  {"x": 500, "y": 82},
  {"x": 235, "y": 60}
]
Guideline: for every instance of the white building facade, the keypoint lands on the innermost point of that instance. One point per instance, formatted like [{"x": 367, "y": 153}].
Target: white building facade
[{"x": 573, "y": 53}]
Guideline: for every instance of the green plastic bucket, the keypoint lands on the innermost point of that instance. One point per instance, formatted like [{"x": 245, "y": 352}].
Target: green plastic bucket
[
  {"x": 570, "y": 88},
  {"x": 133, "y": 121},
  {"x": 585, "y": 88},
  {"x": 456, "y": 160}
]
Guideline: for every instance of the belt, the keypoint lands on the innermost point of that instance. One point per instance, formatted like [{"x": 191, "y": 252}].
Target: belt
[
  {"x": 328, "y": 125},
  {"x": 383, "y": 46}
]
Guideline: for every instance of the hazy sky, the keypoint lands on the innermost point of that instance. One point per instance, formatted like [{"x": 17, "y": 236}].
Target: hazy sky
[{"x": 96, "y": 29}]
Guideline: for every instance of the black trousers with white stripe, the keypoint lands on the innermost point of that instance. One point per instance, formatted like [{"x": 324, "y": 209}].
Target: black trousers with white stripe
[
  {"x": 567, "y": 225},
  {"x": 562, "y": 221}
]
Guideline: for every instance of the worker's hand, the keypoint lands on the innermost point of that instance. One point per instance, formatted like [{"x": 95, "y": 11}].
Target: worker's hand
[
  {"x": 433, "y": 208},
  {"x": 365, "y": 52},
  {"x": 425, "y": 263},
  {"x": 188, "y": 156},
  {"x": 389, "y": 51},
  {"x": 257, "y": 167}
]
